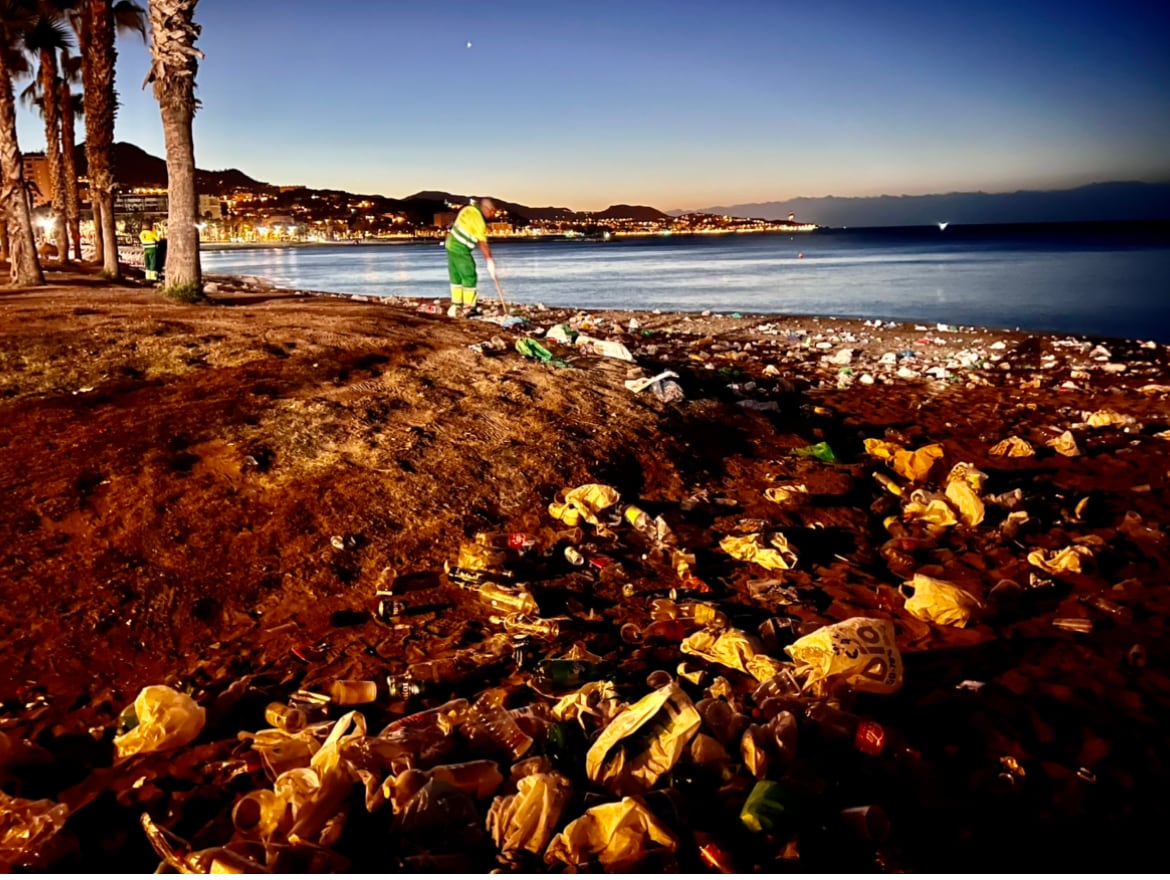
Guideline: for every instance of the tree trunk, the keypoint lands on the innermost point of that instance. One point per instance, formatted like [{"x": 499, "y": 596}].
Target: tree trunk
[
  {"x": 53, "y": 158},
  {"x": 69, "y": 165},
  {"x": 95, "y": 208},
  {"x": 173, "y": 71},
  {"x": 26, "y": 269},
  {"x": 96, "y": 42}
]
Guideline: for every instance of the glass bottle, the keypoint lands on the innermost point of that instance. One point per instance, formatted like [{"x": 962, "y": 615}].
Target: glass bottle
[
  {"x": 504, "y": 599},
  {"x": 353, "y": 692},
  {"x": 561, "y": 673},
  {"x": 523, "y": 624},
  {"x": 638, "y": 518},
  {"x": 403, "y": 686}
]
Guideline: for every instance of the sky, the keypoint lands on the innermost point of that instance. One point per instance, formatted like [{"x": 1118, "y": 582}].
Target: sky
[{"x": 674, "y": 104}]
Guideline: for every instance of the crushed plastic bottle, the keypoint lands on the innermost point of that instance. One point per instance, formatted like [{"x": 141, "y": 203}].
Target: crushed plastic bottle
[{"x": 488, "y": 723}]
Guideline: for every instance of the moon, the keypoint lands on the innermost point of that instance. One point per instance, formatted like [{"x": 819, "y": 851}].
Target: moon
[{"x": 469, "y": 44}]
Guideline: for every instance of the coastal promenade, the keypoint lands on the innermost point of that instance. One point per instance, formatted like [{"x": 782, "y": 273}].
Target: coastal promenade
[{"x": 211, "y": 496}]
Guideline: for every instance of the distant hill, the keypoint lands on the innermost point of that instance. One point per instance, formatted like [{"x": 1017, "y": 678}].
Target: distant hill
[
  {"x": 134, "y": 167},
  {"x": 1106, "y": 202}
]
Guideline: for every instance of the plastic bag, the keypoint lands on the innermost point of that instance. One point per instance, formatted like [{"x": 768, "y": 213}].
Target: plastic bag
[
  {"x": 643, "y": 742},
  {"x": 1065, "y": 444},
  {"x": 618, "y": 835},
  {"x": 787, "y": 494},
  {"x": 584, "y": 502},
  {"x": 930, "y": 508},
  {"x": 860, "y": 652},
  {"x": 167, "y": 719},
  {"x": 964, "y": 484},
  {"x": 1013, "y": 447},
  {"x": 1070, "y": 559},
  {"x": 914, "y": 466},
  {"x": 732, "y": 648},
  {"x": 26, "y": 826},
  {"x": 527, "y": 819},
  {"x": 751, "y": 548},
  {"x": 939, "y": 601}
]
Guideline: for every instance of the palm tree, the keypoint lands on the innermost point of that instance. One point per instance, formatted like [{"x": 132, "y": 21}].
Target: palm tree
[
  {"x": 175, "y": 61},
  {"x": 71, "y": 108},
  {"x": 49, "y": 35},
  {"x": 16, "y": 16},
  {"x": 95, "y": 23}
]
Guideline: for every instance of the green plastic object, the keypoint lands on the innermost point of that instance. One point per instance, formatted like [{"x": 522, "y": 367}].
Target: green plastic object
[
  {"x": 821, "y": 450},
  {"x": 766, "y": 807},
  {"x": 530, "y": 348}
]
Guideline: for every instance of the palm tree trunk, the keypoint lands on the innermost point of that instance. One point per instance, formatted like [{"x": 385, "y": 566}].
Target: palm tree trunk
[
  {"x": 52, "y": 108},
  {"x": 26, "y": 269},
  {"x": 69, "y": 166},
  {"x": 96, "y": 42},
  {"x": 95, "y": 207},
  {"x": 175, "y": 63}
]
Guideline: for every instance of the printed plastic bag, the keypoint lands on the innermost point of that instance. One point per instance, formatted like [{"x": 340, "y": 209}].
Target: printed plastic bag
[
  {"x": 167, "y": 719},
  {"x": 860, "y": 652},
  {"x": 643, "y": 742},
  {"x": 939, "y": 601}
]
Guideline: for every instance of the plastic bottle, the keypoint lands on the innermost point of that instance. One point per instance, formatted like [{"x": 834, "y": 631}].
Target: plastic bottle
[
  {"x": 521, "y": 624},
  {"x": 866, "y": 736},
  {"x": 1119, "y": 613},
  {"x": 505, "y": 599},
  {"x": 284, "y": 717},
  {"x": 639, "y": 519},
  {"x": 561, "y": 673},
  {"x": 489, "y": 721},
  {"x": 177, "y": 853},
  {"x": 767, "y": 807},
  {"x": 888, "y": 484}
]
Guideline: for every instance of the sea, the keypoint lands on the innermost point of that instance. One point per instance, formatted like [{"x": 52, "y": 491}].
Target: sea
[{"x": 1098, "y": 279}]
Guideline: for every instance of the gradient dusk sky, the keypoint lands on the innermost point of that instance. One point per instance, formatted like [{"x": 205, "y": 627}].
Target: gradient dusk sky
[{"x": 672, "y": 104}]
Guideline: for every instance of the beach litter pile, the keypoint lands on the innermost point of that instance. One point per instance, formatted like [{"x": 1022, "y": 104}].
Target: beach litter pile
[{"x": 842, "y": 644}]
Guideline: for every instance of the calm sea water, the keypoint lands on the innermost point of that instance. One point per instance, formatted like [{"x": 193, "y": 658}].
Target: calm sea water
[{"x": 1109, "y": 279}]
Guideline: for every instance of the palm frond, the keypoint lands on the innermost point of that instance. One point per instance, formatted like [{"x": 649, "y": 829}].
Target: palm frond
[{"x": 130, "y": 17}]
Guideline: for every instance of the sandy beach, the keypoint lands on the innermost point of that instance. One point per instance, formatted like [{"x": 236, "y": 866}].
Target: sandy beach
[{"x": 210, "y": 497}]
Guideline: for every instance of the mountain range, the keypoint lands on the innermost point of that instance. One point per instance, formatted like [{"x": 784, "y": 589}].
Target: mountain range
[{"x": 1115, "y": 201}]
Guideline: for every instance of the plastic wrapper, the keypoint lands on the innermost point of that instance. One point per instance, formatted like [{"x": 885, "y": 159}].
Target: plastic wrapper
[
  {"x": 603, "y": 347},
  {"x": 913, "y": 465},
  {"x": 939, "y": 601},
  {"x": 437, "y": 804},
  {"x": 618, "y": 835},
  {"x": 583, "y": 503},
  {"x": 26, "y": 826},
  {"x": 315, "y": 806},
  {"x": 1072, "y": 559},
  {"x": 167, "y": 719},
  {"x": 751, "y": 548},
  {"x": 964, "y": 485},
  {"x": 787, "y": 494},
  {"x": 1103, "y": 418},
  {"x": 1013, "y": 447},
  {"x": 528, "y": 818},
  {"x": 732, "y": 648},
  {"x": 860, "y": 652},
  {"x": 643, "y": 742},
  {"x": 1065, "y": 444}
]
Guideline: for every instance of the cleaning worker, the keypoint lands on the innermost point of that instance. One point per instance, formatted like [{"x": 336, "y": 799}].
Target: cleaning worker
[
  {"x": 150, "y": 255},
  {"x": 468, "y": 231}
]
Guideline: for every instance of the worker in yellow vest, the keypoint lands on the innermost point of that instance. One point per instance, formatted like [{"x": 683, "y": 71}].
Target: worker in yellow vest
[
  {"x": 468, "y": 232},
  {"x": 150, "y": 254}
]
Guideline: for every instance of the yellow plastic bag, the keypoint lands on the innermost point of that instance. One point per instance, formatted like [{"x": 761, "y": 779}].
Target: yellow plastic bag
[
  {"x": 1013, "y": 447},
  {"x": 939, "y": 601},
  {"x": 527, "y": 819},
  {"x": 860, "y": 651},
  {"x": 883, "y": 450},
  {"x": 750, "y": 548},
  {"x": 598, "y": 699},
  {"x": 1103, "y": 418},
  {"x": 1070, "y": 559},
  {"x": 618, "y": 835},
  {"x": 623, "y": 762},
  {"x": 1065, "y": 444},
  {"x": 732, "y": 648},
  {"x": 584, "y": 502},
  {"x": 915, "y": 466},
  {"x": 167, "y": 719},
  {"x": 929, "y": 508},
  {"x": 964, "y": 484}
]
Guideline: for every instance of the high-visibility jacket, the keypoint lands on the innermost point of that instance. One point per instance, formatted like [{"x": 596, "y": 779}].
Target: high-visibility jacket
[
  {"x": 148, "y": 236},
  {"x": 470, "y": 228}
]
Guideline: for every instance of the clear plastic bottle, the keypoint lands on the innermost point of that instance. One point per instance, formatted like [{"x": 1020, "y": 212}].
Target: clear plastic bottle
[
  {"x": 526, "y": 625},
  {"x": 489, "y": 722}
]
